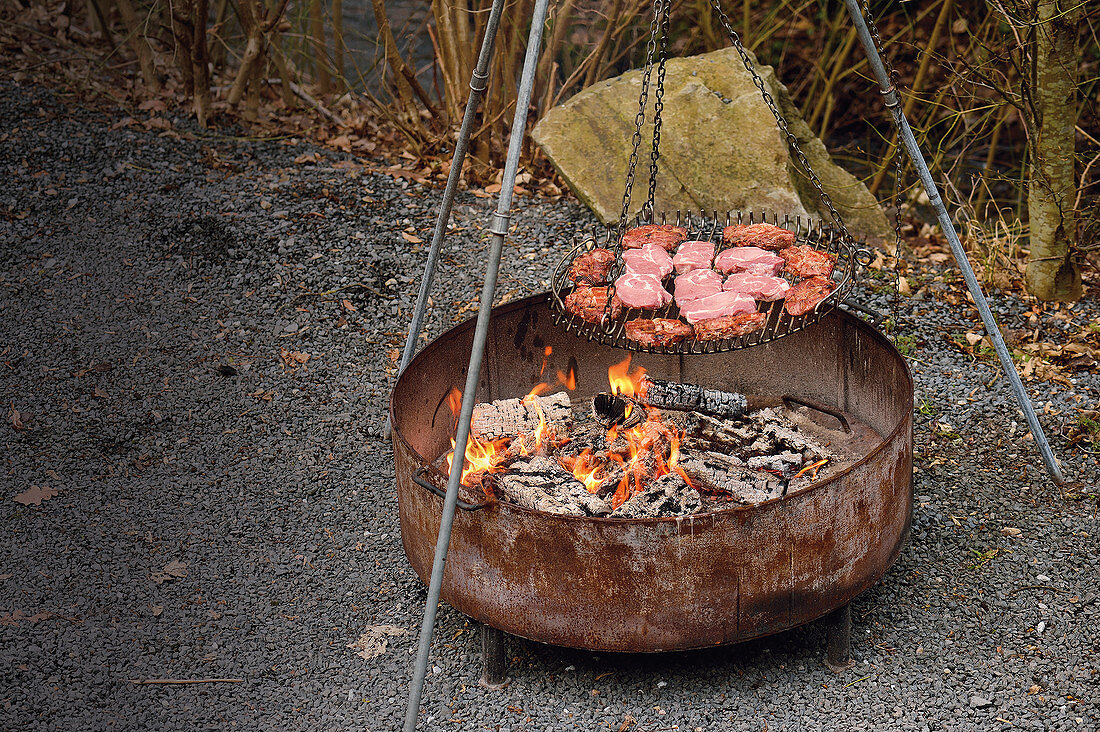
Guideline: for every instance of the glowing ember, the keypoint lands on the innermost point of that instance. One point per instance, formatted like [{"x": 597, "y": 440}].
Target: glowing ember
[
  {"x": 811, "y": 467},
  {"x": 585, "y": 468}
]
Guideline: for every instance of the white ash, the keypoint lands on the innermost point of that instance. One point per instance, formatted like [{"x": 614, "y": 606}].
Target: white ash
[
  {"x": 542, "y": 484},
  {"x": 787, "y": 463},
  {"x": 669, "y": 495}
]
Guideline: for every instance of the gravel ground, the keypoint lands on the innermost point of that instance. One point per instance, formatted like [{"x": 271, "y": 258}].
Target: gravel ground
[{"x": 225, "y": 511}]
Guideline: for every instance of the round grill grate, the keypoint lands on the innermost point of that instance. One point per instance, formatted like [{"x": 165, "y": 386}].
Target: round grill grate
[{"x": 708, "y": 227}]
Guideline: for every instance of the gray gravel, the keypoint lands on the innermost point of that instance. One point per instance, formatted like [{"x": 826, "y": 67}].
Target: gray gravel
[{"x": 135, "y": 267}]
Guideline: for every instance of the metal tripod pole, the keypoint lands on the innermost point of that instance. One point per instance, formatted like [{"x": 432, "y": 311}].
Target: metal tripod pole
[
  {"x": 479, "y": 81},
  {"x": 499, "y": 229},
  {"x": 911, "y": 146}
]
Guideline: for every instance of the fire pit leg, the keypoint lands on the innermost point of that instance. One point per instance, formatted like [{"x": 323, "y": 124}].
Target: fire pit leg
[
  {"x": 838, "y": 639},
  {"x": 494, "y": 662}
]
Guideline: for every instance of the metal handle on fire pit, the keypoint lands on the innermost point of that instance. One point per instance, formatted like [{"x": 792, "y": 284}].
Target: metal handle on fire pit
[
  {"x": 875, "y": 315},
  {"x": 789, "y": 399},
  {"x": 418, "y": 478}
]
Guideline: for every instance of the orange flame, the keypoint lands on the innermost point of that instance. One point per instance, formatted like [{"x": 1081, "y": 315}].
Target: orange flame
[
  {"x": 674, "y": 458},
  {"x": 545, "y": 359},
  {"x": 623, "y": 380},
  {"x": 814, "y": 467},
  {"x": 569, "y": 381},
  {"x": 585, "y": 469},
  {"x": 481, "y": 457},
  {"x": 454, "y": 401}
]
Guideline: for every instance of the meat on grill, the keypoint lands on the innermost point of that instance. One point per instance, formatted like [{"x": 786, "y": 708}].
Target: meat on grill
[
  {"x": 657, "y": 331},
  {"x": 696, "y": 284},
  {"x": 764, "y": 236},
  {"x": 591, "y": 268},
  {"x": 693, "y": 255},
  {"x": 805, "y": 261},
  {"x": 758, "y": 287},
  {"x": 589, "y": 304},
  {"x": 641, "y": 291},
  {"x": 666, "y": 236},
  {"x": 806, "y": 294},
  {"x": 650, "y": 259},
  {"x": 748, "y": 259},
  {"x": 729, "y": 326},
  {"x": 717, "y": 305}
]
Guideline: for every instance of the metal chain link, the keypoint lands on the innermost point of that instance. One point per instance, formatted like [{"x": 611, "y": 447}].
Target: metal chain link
[
  {"x": 792, "y": 141},
  {"x": 639, "y": 118},
  {"x": 635, "y": 148},
  {"x": 899, "y": 163},
  {"x": 658, "y": 106}
]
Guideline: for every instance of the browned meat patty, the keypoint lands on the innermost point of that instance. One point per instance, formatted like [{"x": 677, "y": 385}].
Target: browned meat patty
[
  {"x": 591, "y": 268},
  {"x": 805, "y": 261},
  {"x": 806, "y": 294},
  {"x": 666, "y": 236},
  {"x": 729, "y": 326},
  {"x": 657, "y": 331},
  {"x": 589, "y": 304},
  {"x": 765, "y": 236}
]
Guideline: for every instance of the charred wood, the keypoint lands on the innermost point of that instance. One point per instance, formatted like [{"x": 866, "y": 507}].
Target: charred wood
[
  {"x": 513, "y": 417},
  {"x": 669, "y": 495},
  {"x": 544, "y": 485}
]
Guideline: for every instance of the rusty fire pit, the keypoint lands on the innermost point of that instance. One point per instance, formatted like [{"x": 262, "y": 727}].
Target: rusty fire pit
[{"x": 662, "y": 584}]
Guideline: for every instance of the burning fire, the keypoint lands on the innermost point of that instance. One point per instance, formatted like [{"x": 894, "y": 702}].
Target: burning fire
[
  {"x": 481, "y": 457},
  {"x": 624, "y": 381}
]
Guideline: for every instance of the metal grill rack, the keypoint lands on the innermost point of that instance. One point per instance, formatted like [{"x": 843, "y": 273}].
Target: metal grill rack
[{"x": 708, "y": 227}]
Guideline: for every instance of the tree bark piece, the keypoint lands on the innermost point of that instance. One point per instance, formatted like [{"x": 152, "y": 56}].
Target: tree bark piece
[
  {"x": 1051, "y": 272},
  {"x": 515, "y": 417}
]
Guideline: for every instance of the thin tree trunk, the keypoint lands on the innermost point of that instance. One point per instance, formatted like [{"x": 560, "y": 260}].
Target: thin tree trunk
[
  {"x": 200, "y": 62},
  {"x": 250, "y": 13},
  {"x": 338, "y": 43},
  {"x": 1051, "y": 272},
  {"x": 139, "y": 44},
  {"x": 320, "y": 47}
]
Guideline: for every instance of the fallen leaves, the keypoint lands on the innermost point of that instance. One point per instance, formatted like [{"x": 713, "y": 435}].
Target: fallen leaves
[
  {"x": 373, "y": 642},
  {"x": 293, "y": 359},
  {"x": 346, "y": 304},
  {"x": 17, "y": 419},
  {"x": 15, "y": 617},
  {"x": 411, "y": 238},
  {"x": 34, "y": 495},
  {"x": 1011, "y": 531},
  {"x": 171, "y": 571}
]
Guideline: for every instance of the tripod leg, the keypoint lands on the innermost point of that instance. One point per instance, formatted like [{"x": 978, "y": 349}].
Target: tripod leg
[
  {"x": 478, "y": 83},
  {"x": 498, "y": 229},
  {"x": 980, "y": 302}
]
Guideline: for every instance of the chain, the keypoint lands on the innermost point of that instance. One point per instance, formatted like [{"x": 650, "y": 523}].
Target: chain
[
  {"x": 792, "y": 141},
  {"x": 639, "y": 118},
  {"x": 658, "y": 106},
  {"x": 899, "y": 165}
]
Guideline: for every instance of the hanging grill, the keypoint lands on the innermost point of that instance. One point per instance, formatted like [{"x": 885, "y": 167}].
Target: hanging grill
[{"x": 833, "y": 239}]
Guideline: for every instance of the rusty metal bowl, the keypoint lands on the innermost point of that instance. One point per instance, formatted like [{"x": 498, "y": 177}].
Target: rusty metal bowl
[{"x": 661, "y": 584}]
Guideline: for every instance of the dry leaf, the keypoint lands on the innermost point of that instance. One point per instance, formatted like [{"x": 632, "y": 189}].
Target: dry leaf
[
  {"x": 1011, "y": 531},
  {"x": 903, "y": 287},
  {"x": 16, "y": 418},
  {"x": 35, "y": 495},
  {"x": 12, "y": 618},
  {"x": 99, "y": 393},
  {"x": 973, "y": 338},
  {"x": 293, "y": 358},
  {"x": 157, "y": 610},
  {"x": 394, "y": 355},
  {"x": 173, "y": 570},
  {"x": 348, "y": 306},
  {"x": 372, "y": 643},
  {"x": 411, "y": 238}
]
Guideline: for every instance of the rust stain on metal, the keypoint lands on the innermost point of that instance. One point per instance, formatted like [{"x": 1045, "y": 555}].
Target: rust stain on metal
[{"x": 665, "y": 583}]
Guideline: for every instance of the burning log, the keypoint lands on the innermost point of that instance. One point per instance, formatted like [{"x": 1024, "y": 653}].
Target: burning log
[
  {"x": 627, "y": 411},
  {"x": 514, "y": 417},
  {"x": 714, "y": 472},
  {"x": 669, "y": 495},
  {"x": 544, "y": 485}
]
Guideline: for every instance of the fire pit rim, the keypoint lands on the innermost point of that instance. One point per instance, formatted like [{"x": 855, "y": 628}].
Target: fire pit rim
[{"x": 435, "y": 474}]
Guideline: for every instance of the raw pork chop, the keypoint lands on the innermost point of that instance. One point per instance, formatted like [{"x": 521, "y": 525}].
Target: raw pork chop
[
  {"x": 805, "y": 261},
  {"x": 641, "y": 291},
  {"x": 591, "y": 268},
  {"x": 728, "y": 326},
  {"x": 758, "y": 287},
  {"x": 589, "y": 303},
  {"x": 658, "y": 331},
  {"x": 663, "y": 235},
  {"x": 715, "y": 306},
  {"x": 696, "y": 284},
  {"x": 764, "y": 236},
  {"x": 693, "y": 255},
  {"x": 806, "y": 294},
  {"x": 650, "y": 259},
  {"x": 748, "y": 259}
]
